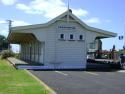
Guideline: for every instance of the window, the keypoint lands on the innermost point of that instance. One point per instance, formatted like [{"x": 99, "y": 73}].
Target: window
[
  {"x": 92, "y": 46},
  {"x": 81, "y": 37},
  {"x": 71, "y": 36},
  {"x": 61, "y": 36}
]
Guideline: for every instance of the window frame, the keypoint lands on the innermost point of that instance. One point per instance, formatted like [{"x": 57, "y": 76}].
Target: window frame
[
  {"x": 80, "y": 37},
  {"x": 71, "y": 37},
  {"x": 92, "y": 45},
  {"x": 62, "y": 36}
]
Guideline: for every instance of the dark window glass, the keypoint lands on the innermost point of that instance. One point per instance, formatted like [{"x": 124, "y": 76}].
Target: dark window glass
[
  {"x": 92, "y": 46},
  {"x": 81, "y": 37},
  {"x": 62, "y": 36},
  {"x": 71, "y": 36}
]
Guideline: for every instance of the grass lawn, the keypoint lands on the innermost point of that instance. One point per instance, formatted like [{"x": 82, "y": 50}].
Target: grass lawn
[{"x": 14, "y": 81}]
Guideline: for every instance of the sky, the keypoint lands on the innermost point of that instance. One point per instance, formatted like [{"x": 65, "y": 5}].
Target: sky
[{"x": 104, "y": 14}]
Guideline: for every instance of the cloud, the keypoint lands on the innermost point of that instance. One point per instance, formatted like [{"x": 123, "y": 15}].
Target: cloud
[
  {"x": 19, "y": 23},
  {"x": 80, "y": 12},
  {"x": 23, "y": 7},
  {"x": 8, "y": 2},
  {"x": 92, "y": 20},
  {"x": 4, "y": 32},
  {"x": 2, "y": 22},
  {"x": 4, "y": 27},
  {"x": 15, "y": 22},
  {"x": 48, "y": 8}
]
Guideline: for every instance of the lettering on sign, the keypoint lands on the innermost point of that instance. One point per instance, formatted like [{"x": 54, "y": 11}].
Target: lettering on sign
[{"x": 67, "y": 27}]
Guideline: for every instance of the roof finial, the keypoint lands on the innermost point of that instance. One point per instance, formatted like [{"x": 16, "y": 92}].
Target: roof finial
[
  {"x": 68, "y": 5},
  {"x": 68, "y": 12}
]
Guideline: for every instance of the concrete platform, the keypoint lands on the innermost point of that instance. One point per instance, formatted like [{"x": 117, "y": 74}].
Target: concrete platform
[
  {"x": 15, "y": 61},
  {"x": 20, "y": 64}
]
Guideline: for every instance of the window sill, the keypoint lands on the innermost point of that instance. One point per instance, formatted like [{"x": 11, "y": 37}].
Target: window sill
[
  {"x": 71, "y": 40},
  {"x": 62, "y": 39},
  {"x": 81, "y": 40}
]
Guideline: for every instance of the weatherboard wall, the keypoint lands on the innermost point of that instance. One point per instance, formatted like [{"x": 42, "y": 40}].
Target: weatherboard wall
[{"x": 60, "y": 52}]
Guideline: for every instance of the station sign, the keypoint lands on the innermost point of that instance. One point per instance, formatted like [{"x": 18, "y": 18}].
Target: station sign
[{"x": 67, "y": 27}]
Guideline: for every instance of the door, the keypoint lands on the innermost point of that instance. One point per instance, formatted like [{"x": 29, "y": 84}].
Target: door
[{"x": 71, "y": 53}]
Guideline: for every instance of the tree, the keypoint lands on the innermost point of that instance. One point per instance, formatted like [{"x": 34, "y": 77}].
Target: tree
[{"x": 3, "y": 43}]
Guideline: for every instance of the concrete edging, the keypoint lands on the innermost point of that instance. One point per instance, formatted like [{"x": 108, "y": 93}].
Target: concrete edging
[{"x": 46, "y": 86}]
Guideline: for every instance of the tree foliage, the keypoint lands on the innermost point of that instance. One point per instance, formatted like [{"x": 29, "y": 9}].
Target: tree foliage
[
  {"x": 3, "y": 43},
  {"x": 121, "y": 51}
]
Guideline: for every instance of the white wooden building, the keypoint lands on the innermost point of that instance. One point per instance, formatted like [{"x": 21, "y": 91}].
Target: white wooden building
[{"x": 64, "y": 41}]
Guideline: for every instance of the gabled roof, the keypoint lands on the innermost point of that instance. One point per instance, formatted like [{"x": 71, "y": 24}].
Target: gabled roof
[{"x": 68, "y": 12}]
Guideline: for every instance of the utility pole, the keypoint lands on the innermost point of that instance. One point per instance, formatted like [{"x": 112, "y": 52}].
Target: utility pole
[
  {"x": 9, "y": 25},
  {"x": 9, "y": 30}
]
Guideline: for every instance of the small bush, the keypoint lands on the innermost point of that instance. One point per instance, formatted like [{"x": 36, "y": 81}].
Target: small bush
[
  {"x": 6, "y": 53},
  {"x": 17, "y": 55}
]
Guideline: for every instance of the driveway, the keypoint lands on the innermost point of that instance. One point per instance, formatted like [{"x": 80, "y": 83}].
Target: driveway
[{"x": 84, "y": 82}]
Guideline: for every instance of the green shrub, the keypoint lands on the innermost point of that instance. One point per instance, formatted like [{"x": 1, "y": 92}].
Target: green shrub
[
  {"x": 17, "y": 55},
  {"x": 6, "y": 53}
]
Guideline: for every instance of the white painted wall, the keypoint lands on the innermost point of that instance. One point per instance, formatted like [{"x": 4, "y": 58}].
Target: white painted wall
[
  {"x": 41, "y": 52},
  {"x": 50, "y": 45},
  {"x": 67, "y": 53},
  {"x": 64, "y": 53},
  {"x": 50, "y": 50}
]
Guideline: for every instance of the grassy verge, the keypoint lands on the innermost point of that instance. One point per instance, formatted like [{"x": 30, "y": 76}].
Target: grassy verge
[{"x": 14, "y": 81}]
